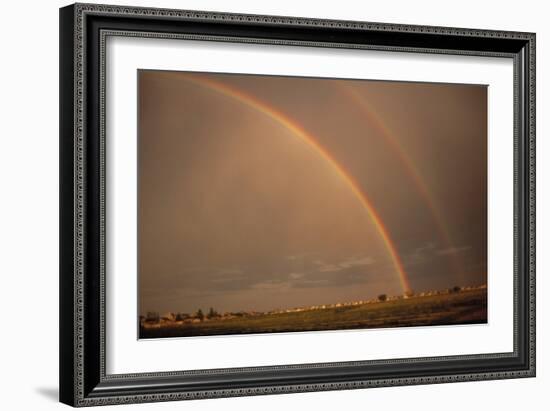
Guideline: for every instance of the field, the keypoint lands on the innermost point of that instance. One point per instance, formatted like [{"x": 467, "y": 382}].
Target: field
[{"x": 464, "y": 307}]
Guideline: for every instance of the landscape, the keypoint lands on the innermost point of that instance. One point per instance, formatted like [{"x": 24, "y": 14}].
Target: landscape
[
  {"x": 466, "y": 305},
  {"x": 271, "y": 204}
]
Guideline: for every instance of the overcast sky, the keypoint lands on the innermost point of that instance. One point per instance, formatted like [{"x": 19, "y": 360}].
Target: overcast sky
[{"x": 237, "y": 212}]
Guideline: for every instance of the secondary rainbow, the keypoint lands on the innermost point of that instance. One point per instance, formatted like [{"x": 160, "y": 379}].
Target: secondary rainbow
[
  {"x": 407, "y": 162},
  {"x": 292, "y": 126}
]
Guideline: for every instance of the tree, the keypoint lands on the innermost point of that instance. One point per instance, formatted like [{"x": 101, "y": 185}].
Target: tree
[
  {"x": 181, "y": 316},
  {"x": 382, "y": 297},
  {"x": 211, "y": 313},
  {"x": 152, "y": 317},
  {"x": 200, "y": 314}
]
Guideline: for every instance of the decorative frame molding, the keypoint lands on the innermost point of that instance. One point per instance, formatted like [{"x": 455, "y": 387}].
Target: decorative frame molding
[{"x": 83, "y": 32}]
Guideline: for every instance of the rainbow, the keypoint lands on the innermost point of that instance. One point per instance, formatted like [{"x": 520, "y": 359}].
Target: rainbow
[
  {"x": 293, "y": 127},
  {"x": 407, "y": 162}
]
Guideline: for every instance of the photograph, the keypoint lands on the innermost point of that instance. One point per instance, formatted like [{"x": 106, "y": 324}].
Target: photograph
[
  {"x": 271, "y": 204},
  {"x": 255, "y": 201}
]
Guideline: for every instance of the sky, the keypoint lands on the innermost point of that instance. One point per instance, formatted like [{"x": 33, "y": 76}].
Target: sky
[{"x": 269, "y": 192}]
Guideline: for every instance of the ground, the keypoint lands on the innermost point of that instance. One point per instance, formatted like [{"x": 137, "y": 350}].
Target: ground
[{"x": 464, "y": 307}]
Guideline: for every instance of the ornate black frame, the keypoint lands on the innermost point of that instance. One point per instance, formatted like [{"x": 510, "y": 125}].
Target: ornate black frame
[{"x": 83, "y": 30}]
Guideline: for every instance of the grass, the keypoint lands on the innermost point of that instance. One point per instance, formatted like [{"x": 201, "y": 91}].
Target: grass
[{"x": 465, "y": 307}]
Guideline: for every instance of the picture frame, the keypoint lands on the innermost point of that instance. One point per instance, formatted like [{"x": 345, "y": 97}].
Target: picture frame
[{"x": 84, "y": 83}]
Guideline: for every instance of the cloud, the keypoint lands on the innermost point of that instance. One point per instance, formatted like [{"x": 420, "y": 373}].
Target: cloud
[
  {"x": 453, "y": 250},
  {"x": 356, "y": 269},
  {"x": 229, "y": 271},
  {"x": 270, "y": 285},
  {"x": 354, "y": 262},
  {"x": 350, "y": 262},
  {"x": 429, "y": 251},
  {"x": 351, "y": 270},
  {"x": 226, "y": 275},
  {"x": 420, "y": 255},
  {"x": 312, "y": 282},
  {"x": 300, "y": 256},
  {"x": 328, "y": 268}
]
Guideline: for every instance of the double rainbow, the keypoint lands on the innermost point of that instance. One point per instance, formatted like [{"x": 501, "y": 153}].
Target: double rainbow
[{"x": 297, "y": 130}]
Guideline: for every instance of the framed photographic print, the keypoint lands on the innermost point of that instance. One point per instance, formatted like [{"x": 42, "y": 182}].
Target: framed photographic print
[{"x": 262, "y": 204}]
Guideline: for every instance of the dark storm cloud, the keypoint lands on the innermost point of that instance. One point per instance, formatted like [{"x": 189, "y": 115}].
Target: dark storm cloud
[{"x": 238, "y": 212}]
